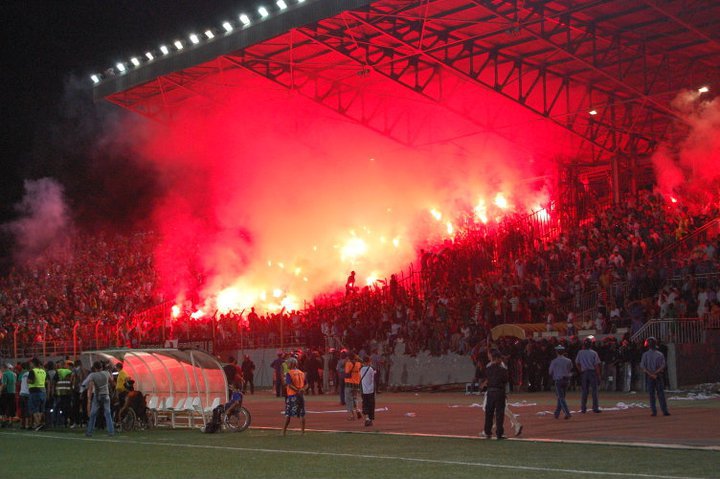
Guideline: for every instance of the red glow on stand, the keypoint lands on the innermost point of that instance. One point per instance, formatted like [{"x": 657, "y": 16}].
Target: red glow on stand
[{"x": 246, "y": 215}]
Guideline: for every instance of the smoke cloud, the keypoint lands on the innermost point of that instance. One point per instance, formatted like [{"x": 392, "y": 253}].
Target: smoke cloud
[
  {"x": 43, "y": 230},
  {"x": 272, "y": 199},
  {"x": 690, "y": 167}
]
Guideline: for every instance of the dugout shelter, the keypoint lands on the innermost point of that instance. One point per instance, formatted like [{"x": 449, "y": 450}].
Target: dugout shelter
[{"x": 181, "y": 385}]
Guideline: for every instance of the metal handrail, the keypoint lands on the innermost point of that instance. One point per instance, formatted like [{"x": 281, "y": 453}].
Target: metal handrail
[
  {"x": 687, "y": 238},
  {"x": 673, "y": 330}
]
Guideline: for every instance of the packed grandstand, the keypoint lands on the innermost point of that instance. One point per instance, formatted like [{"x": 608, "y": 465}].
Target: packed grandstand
[{"x": 645, "y": 259}]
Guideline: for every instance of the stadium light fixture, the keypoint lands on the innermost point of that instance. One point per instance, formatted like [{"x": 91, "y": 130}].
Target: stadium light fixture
[
  {"x": 245, "y": 19},
  {"x": 121, "y": 67},
  {"x": 228, "y": 27},
  {"x": 209, "y": 34},
  {"x": 164, "y": 49},
  {"x": 150, "y": 56},
  {"x": 281, "y": 4},
  {"x": 178, "y": 44},
  {"x": 135, "y": 61},
  {"x": 194, "y": 39},
  {"x": 703, "y": 89},
  {"x": 95, "y": 78},
  {"x": 301, "y": 1},
  {"x": 263, "y": 12},
  {"x": 593, "y": 112}
]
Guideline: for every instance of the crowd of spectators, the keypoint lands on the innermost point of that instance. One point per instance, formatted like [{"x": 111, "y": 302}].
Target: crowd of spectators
[
  {"x": 97, "y": 284},
  {"x": 608, "y": 274},
  {"x": 613, "y": 271}
]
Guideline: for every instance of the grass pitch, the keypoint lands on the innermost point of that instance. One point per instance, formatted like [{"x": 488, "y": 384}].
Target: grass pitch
[{"x": 265, "y": 453}]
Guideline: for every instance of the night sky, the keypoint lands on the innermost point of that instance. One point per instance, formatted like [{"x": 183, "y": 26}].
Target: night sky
[{"x": 49, "y": 44}]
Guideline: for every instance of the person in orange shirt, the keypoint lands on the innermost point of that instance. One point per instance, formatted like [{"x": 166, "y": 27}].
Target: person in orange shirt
[
  {"x": 295, "y": 399},
  {"x": 352, "y": 386}
]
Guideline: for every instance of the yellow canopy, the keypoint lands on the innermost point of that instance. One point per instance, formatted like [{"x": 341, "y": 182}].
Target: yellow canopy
[
  {"x": 525, "y": 329},
  {"x": 507, "y": 330}
]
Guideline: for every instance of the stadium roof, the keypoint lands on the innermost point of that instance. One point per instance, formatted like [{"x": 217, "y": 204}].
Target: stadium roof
[{"x": 605, "y": 70}]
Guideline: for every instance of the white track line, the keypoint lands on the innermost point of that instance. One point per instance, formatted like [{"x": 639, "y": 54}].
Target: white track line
[{"x": 362, "y": 456}]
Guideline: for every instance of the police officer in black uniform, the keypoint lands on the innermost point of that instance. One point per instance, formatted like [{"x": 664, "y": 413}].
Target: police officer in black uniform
[{"x": 496, "y": 380}]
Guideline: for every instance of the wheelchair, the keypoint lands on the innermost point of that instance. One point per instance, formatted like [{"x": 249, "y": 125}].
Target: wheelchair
[
  {"x": 135, "y": 420},
  {"x": 130, "y": 421}
]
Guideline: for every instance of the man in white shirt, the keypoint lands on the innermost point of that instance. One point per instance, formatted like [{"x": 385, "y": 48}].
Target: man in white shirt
[{"x": 367, "y": 387}]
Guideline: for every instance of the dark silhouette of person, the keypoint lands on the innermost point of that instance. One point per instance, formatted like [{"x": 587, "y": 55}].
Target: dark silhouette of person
[{"x": 350, "y": 284}]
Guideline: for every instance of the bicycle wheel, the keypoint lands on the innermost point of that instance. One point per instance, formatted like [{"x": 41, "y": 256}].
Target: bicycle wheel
[
  {"x": 128, "y": 421},
  {"x": 239, "y": 420}
]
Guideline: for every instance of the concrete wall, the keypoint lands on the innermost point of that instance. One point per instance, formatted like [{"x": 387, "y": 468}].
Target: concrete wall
[
  {"x": 698, "y": 363},
  {"x": 688, "y": 364},
  {"x": 420, "y": 370},
  {"x": 425, "y": 370},
  {"x": 262, "y": 359}
]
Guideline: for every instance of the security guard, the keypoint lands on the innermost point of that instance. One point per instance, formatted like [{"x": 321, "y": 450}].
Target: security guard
[
  {"x": 653, "y": 364},
  {"x": 62, "y": 394},
  {"x": 38, "y": 395}
]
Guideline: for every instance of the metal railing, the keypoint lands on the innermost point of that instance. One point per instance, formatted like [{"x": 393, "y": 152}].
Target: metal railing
[
  {"x": 673, "y": 330},
  {"x": 703, "y": 279},
  {"x": 63, "y": 348},
  {"x": 689, "y": 240},
  {"x": 41, "y": 349},
  {"x": 713, "y": 321}
]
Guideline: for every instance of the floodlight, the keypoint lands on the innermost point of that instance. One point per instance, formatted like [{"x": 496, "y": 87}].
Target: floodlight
[
  {"x": 263, "y": 12},
  {"x": 227, "y": 26},
  {"x": 135, "y": 61},
  {"x": 281, "y": 4},
  {"x": 209, "y": 34},
  {"x": 121, "y": 67},
  {"x": 178, "y": 44},
  {"x": 95, "y": 78},
  {"x": 194, "y": 39},
  {"x": 703, "y": 89},
  {"x": 164, "y": 49},
  {"x": 149, "y": 56},
  {"x": 593, "y": 112},
  {"x": 245, "y": 19},
  {"x": 301, "y": 1}
]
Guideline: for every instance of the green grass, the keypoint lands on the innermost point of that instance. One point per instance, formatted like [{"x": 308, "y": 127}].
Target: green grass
[{"x": 264, "y": 453}]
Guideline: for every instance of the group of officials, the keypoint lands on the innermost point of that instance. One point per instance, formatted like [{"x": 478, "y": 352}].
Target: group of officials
[
  {"x": 587, "y": 362},
  {"x": 561, "y": 370}
]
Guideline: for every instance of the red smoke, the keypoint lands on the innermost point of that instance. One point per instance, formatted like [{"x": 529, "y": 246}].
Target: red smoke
[
  {"x": 690, "y": 167},
  {"x": 274, "y": 198}
]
